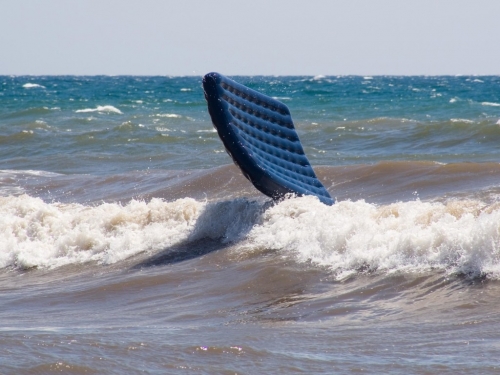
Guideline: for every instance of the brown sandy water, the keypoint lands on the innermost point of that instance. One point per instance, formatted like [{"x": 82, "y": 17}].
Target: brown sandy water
[{"x": 224, "y": 282}]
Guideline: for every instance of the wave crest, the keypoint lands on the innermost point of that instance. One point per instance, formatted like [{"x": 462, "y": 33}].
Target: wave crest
[
  {"x": 458, "y": 237},
  {"x": 35, "y": 233},
  {"x": 101, "y": 108}
]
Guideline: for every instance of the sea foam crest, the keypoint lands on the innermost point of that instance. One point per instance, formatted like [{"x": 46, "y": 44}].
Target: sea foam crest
[
  {"x": 33, "y": 86},
  {"x": 34, "y": 233},
  {"x": 457, "y": 237},
  {"x": 461, "y": 237},
  {"x": 100, "y": 108},
  {"x": 170, "y": 115}
]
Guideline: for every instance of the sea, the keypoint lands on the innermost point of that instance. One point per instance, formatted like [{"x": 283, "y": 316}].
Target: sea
[{"x": 131, "y": 244}]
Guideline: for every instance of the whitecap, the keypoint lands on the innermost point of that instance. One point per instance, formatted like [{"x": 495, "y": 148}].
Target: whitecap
[
  {"x": 32, "y": 86},
  {"x": 27, "y": 172},
  {"x": 170, "y": 115},
  {"x": 462, "y": 120},
  {"x": 163, "y": 129},
  {"x": 207, "y": 131},
  {"x": 459, "y": 237},
  {"x": 38, "y": 234},
  {"x": 101, "y": 108},
  {"x": 491, "y": 104}
]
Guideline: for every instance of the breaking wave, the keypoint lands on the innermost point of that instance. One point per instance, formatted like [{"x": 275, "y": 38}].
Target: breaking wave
[{"x": 458, "y": 237}]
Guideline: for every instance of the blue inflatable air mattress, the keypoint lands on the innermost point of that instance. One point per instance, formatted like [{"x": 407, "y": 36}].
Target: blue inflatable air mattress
[{"x": 258, "y": 133}]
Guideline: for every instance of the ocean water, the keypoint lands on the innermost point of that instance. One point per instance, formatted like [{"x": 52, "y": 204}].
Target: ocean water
[{"x": 130, "y": 243}]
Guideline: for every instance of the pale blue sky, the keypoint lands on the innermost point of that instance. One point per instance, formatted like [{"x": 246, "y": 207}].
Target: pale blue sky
[{"x": 277, "y": 37}]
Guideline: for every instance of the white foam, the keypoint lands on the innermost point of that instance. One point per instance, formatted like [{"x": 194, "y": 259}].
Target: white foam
[
  {"x": 459, "y": 237},
  {"x": 27, "y": 172},
  {"x": 456, "y": 237},
  {"x": 163, "y": 129},
  {"x": 101, "y": 108},
  {"x": 33, "y": 86},
  {"x": 463, "y": 120},
  {"x": 35, "y": 233},
  {"x": 169, "y": 115},
  {"x": 207, "y": 131},
  {"x": 491, "y": 104}
]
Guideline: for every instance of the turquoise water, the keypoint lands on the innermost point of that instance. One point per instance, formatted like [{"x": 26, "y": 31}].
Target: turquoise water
[
  {"x": 129, "y": 243},
  {"x": 102, "y": 124}
]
